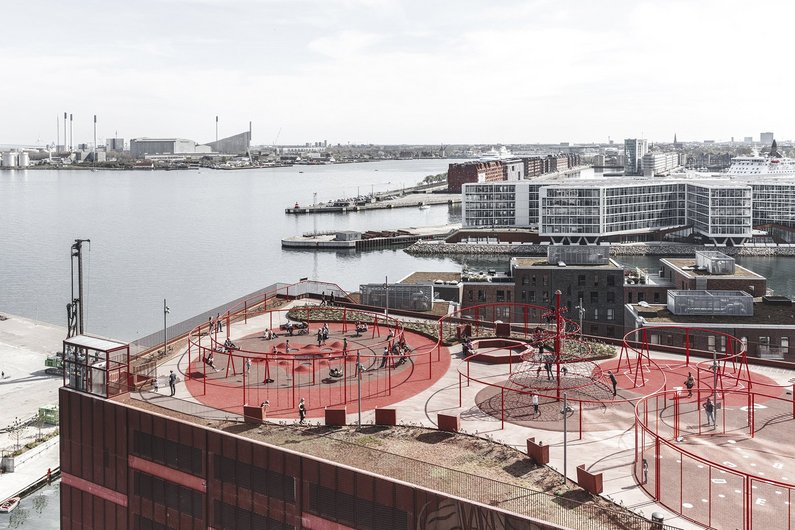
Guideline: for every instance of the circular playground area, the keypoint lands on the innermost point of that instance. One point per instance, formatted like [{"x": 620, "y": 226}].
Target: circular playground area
[{"x": 329, "y": 357}]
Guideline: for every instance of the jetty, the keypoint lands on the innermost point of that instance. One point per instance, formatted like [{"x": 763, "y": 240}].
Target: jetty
[
  {"x": 370, "y": 240},
  {"x": 420, "y": 196}
]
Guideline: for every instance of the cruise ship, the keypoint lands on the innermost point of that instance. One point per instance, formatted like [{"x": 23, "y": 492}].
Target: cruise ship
[{"x": 773, "y": 165}]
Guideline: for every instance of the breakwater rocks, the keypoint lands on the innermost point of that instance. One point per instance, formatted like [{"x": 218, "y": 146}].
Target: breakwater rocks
[{"x": 434, "y": 248}]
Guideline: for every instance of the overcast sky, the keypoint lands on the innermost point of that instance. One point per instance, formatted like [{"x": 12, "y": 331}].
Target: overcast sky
[{"x": 384, "y": 71}]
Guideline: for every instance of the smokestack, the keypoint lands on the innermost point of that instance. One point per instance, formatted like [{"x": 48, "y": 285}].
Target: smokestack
[
  {"x": 216, "y": 129},
  {"x": 71, "y": 133},
  {"x": 95, "y": 139},
  {"x": 64, "y": 129}
]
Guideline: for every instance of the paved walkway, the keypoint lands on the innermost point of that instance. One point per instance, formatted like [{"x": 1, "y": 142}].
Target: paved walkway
[{"x": 24, "y": 345}]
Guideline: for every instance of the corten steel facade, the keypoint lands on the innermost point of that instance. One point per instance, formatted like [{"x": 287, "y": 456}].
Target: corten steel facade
[{"x": 128, "y": 468}]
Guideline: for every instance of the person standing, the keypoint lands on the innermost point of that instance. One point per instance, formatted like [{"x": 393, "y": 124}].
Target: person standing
[
  {"x": 709, "y": 407},
  {"x": 172, "y": 382},
  {"x": 345, "y": 346},
  {"x": 689, "y": 382},
  {"x": 248, "y": 365},
  {"x": 301, "y": 411},
  {"x": 384, "y": 357},
  {"x": 219, "y": 325},
  {"x": 287, "y": 346},
  {"x": 613, "y": 381},
  {"x": 535, "y": 404},
  {"x": 319, "y": 336}
]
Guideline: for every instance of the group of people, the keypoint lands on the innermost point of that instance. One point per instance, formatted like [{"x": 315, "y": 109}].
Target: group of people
[
  {"x": 361, "y": 327},
  {"x": 466, "y": 347},
  {"x": 322, "y": 334},
  {"x": 327, "y": 301}
]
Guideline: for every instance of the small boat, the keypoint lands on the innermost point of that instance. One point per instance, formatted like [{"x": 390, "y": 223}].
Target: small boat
[
  {"x": 9, "y": 504},
  {"x": 425, "y": 207}
]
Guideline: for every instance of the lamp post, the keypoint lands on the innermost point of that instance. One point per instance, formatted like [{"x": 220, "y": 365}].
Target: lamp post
[
  {"x": 715, "y": 387},
  {"x": 359, "y": 386},
  {"x": 565, "y": 411},
  {"x": 581, "y": 310},
  {"x": 386, "y": 288},
  {"x": 166, "y": 311}
]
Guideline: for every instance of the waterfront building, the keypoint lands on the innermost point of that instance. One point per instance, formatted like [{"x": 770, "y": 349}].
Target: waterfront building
[
  {"x": 474, "y": 172},
  {"x": 114, "y": 144},
  {"x": 237, "y": 144},
  {"x": 659, "y": 163},
  {"x": 722, "y": 211},
  {"x": 513, "y": 169},
  {"x": 766, "y": 138},
  {"x": 711, "y": 271},
  {"x": 140, "y": 147},
  {"x": 634, "y": 150}
]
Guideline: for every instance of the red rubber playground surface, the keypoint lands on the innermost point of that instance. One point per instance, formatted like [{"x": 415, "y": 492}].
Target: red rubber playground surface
[{"x": 306, "y": 372}]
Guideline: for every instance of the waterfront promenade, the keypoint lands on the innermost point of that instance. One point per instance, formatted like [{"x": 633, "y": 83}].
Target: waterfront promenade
[{"x": 24, "y": 346}]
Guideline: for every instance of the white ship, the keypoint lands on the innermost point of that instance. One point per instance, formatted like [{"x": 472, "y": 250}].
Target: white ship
[{"x": 773, "y": 165}]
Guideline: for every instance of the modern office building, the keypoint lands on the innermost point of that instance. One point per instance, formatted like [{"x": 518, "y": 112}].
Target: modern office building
[
  {"x": 634, "y": 150},
  {"x": 766, "y": 138},
  {"x": 588, "y": 211}
]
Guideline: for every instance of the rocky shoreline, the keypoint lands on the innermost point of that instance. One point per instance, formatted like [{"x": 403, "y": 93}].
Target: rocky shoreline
[{"x": 434, "y": 248}]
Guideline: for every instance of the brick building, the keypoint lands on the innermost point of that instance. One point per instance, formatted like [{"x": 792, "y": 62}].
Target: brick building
[
  {"x": 467, "y": 172},
  {"x": 711, "y": 271}
]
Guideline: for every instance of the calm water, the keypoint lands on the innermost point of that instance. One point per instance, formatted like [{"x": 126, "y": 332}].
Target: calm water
[
  {"x": 197, "y": 238},
  {"x": 39, "y": 511}
]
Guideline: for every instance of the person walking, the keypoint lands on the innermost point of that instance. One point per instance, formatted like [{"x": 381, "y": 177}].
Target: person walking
[
  {"x": 613, "y": 381},
  {"x": 247, "y": 365},
  {"x": 319, "y": 336},
  {"x": 535, "y": 405},
  {"x": 219, "y": 325},
  {"x": 301, "y": 411},
  {"x": 172, "y": 382},
  {"x": 287, "y": 346},
  {"x": 345, "y": 346},
  {"x": 645, "y": 471},
  {"x": 709, "y": 407},
  {"x": 689, "y": 383}
]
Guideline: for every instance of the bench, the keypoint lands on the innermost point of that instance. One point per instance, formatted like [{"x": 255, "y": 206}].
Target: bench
[
  {"x": 538, "y": 452},
  {"x": 386, "y": 417},
  {"x": 448, "y": 422},
  {"x": 590, "y": 482},
  {"x": 336, "y": 416}
]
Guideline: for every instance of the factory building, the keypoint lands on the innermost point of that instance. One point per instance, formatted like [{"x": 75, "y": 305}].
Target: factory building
[
  {"x": 140, "y": 147},
  {"x": 238, "y": 144}
]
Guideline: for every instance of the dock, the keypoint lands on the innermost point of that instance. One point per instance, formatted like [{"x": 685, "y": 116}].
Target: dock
[
  {"x": 371, "y": 240},
  {"x": 415, "y": 197}
]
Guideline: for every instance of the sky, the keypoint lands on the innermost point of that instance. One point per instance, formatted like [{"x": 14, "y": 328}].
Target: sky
[{"x": 394, "y": 72}]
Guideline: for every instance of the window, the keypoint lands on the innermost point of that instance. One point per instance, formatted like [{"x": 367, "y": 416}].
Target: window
[
  {"x": 545, "y": 279},
  {"x": 611, "y": 313},
  {"x": 546, "y": 297},
  {"x": 611, "y": 331},
  {"x": 580, "y": 296},
  {"x": 629, "y": 297},
  {"x": 784, "y": 345},
  {"x": 532, "y": 297},
  {"x": 581, "y": 280},
  {"x": 596, "y": 280},
  {"x": 481, "y": 296},
  {"x": 641, "y": 297},
  {"x": 594, "y": 329},
  {"x": 533, "y": 280},
  {"x": 594, "y": 297},
  {"x": 523, "y": 295},
  {"x": 711, "y": 343},
  {"x": 611, "y": 281},
  {"x": 656, "y": 298},
  {"x": 596, "y": 313},
  {"x": 509, "y": 295},
  {"x": 611, "y": 297},
  {"x": 500, "y": 296},
  {"x": 524, "y": 280},
  {"x": 471, "y": 295}
]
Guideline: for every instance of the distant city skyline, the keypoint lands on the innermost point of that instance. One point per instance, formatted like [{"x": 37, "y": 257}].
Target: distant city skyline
[{"x": 394, "y": 72}]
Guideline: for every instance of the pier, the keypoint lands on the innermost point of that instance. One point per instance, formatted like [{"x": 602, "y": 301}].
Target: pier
[
  {"x": 415, "y": 197},
  {"x": 371, "y": 240}
]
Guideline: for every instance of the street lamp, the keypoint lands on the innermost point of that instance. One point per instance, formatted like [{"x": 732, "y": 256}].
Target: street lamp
[
  {"x": 386, "y": 288},
  {"x": 166, "y": 311},
  {"x": 581, "y": 310},
  {"x": 715, "y": 387},
  {"x": 359, "y": 386},
  {"x": 565, "y": 411}
]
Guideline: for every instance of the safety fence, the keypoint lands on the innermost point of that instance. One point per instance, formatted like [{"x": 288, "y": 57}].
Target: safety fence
[{"x": 701, "y": 464}]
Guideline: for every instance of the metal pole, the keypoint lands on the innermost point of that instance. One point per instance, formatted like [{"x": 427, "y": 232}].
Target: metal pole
[
  {"x": 359, "y": 386},
  {"x": 581, "y": 311},
  {"x": 715, "y": 387},
  {"x": 165, "y": 336},
  {"x": 386, "y": 288},
  {"x": 565, "y": 435}
]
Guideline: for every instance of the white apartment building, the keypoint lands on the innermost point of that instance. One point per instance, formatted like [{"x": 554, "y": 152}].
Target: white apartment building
[{"x": 659, "y": 163}]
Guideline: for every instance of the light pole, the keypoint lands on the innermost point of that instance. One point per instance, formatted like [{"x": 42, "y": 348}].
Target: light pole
[
  {"x": 581, "y": 310},
  {"x": 715, "y": 387},
  {"x": 386, "y": 288},
  {"x": 565, "y": 411},
  {"x": 166, "y": 311},
  {"x": 359, "y": 386}
]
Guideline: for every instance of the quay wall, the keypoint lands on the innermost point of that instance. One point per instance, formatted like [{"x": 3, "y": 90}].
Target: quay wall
[{"x": 425, "y": 248}]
